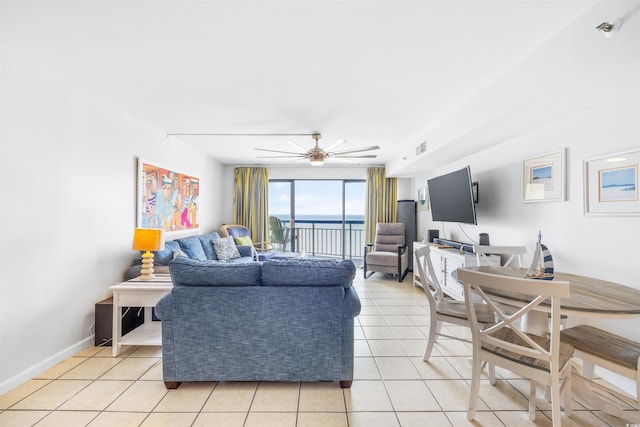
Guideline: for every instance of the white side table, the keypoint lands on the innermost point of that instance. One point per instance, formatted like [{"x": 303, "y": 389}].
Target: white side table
[{"x": 138, "y": 293}]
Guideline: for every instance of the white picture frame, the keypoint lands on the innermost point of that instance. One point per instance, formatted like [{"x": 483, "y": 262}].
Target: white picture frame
[
  {"x": 544, "y": 178},
  {"x": 611, "y": 184}
]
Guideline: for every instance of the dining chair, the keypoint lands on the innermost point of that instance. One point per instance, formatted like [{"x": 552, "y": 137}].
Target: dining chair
[
  {"x": 445, "y": 310},
  {"x": 513, "y": 252},
  {"x": 544, "y": 360}
]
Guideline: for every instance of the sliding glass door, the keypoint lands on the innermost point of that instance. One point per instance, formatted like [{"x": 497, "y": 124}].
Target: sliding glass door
[{"x": 325, "y": 218}]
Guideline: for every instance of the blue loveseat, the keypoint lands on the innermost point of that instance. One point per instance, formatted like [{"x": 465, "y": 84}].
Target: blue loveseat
[
  {"x": 281, "y": 320},
  {"x": 194, "y": 247}
]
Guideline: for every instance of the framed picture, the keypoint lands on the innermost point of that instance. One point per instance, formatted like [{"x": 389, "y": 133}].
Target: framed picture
[
  {"x": 423, "y": 199},
  {"x": 611, "y": 184},
  {"x": 543, "y": 178},
  {"x": 167, "y": 199}
]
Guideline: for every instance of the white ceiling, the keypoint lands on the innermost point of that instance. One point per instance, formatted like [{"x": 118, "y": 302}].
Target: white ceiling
[{"x": 373, "y": 72}]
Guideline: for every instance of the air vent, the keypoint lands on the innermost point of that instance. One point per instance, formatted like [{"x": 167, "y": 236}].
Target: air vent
[{"x": 421, "y": 148}]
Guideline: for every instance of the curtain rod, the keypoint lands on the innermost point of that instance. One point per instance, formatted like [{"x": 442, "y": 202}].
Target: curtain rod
[{"x": 240, "y": 134}]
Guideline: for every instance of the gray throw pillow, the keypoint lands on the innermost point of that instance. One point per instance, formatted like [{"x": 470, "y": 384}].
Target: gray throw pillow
[{"x": 225, "y": 249}]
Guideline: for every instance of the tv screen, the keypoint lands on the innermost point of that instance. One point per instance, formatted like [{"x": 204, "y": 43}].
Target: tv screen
[{"x": 451, "y": 197}]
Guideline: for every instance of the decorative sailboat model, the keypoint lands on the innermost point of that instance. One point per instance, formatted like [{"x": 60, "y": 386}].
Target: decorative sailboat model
[{"x": 542, "y": 263}]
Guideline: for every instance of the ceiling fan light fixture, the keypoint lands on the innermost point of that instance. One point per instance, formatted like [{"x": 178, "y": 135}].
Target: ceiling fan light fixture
[{"x": 316, "y": 158}]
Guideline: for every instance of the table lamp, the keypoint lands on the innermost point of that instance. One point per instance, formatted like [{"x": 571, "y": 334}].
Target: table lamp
[{"x": 147, "y": 239}]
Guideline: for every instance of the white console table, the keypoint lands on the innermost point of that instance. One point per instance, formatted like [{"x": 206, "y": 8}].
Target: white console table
[
  {"x": 445, "y": 262},
  {"x": 138, "y": 293}
]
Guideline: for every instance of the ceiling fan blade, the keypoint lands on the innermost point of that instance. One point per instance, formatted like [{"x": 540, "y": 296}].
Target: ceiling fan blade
[
  {"x": 304, "y": 150},
  {"x": 366, "y": 156},
  {"x": 335, "y": 144},
  {"x": 299, "y": 156},
  {"x": 279, "y": 151},
  {"x": 356, "y": 150}
]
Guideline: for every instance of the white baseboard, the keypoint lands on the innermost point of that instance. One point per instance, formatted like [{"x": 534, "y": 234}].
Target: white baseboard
[{"x": 42, "y": 366}]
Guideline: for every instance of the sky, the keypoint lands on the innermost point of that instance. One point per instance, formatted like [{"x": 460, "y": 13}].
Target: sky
[{"x": 317, "y": 197}]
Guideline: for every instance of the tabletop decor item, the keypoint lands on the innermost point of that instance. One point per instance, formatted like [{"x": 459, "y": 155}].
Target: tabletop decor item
[
  {"x": 542, "y": 263},
  {"x": 543, "y": 178},
  {"x": 611, "y": 185},
  {"x": 147, "y": 240}
]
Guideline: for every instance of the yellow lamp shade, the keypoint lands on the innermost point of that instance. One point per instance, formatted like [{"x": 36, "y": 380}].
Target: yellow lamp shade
[{"x": 148, "y": 239}]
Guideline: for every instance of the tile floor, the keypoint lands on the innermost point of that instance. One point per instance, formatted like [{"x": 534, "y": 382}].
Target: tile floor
[{"x": 392, "y": 385}]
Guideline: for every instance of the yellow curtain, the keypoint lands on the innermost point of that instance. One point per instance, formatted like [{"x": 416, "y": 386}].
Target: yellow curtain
[
  {"x": 251, "y": 201},
  {"x": 381, "y": 204}
]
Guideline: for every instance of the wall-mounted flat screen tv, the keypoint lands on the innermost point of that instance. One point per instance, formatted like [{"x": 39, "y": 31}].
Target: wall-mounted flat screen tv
[{"x": 451, "y": 197}]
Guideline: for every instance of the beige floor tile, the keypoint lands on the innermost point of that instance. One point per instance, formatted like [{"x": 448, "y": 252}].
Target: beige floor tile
[
  {"x": 118, "y": 419},
  {"x": 148, "y": 351},
  {"x": 409, "y": 333},
  {"x": 484, "y": 419},
  {"x": 130, "y": 368},
  {"x": 423, "y": 419},
  {"x": 154, "y": 373},
  {"x": 450, "y": 347},
  {"x": 521, "y": 418},
  {"x": 361, "y": 349},
  {"x": 90, "y": 351},
  {"x": 437, "y": 368},
  {"x": 420, "y": 310},
  {"x": 411, "y": 396},
  {"x": 397, "y": 368},
  {"x": 398, "y": 320},
  {"x": 276, "y": 397},
  {"x": 52, "y": 395},
  {"x": 452, "y": 395},
  {"x": 420, "y": 319},
  {"x": 92, "y": 369},
  {"x": 21, "y": 418},
  {"x": 372, "y": 320},
  {"x": 358, "y": 333},
  {"x": 370, "y": 310},
  {"x": 373, "y": 419},
  {"x": 68, "y": 419},
  {"x": 169, "y": 419},
  {"x": 17, "y": 394},
  {"x": 321, "y": 397},
  {"x": 365, "y": 368},
  {"x": 322, "y": 419},
  {"x": 386, "y": 348},
  {"x": 586, "y": 418},
  {"x": 231, "y": 397},
  {"x": 367, "y": 396},
  {"x": 629, "y": 419},
  {"x": 391, "y": 310},
  {"x": 220, "y": 419},
  {"x": 96, "y": 396},
  {"x": 414, "y": 347},
  {"x": 142, "y": 396},
  {"x": 271, "y": 419},
  {"x": 125, "y": 351},
  {"x": 503, "y": 396},
  {"x": 378, "y": 332},
  {"x": 61, "y": 368},
  {"x": 189, "y": 397}
]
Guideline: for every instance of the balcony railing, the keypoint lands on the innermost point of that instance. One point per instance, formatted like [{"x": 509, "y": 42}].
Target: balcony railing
[{"x": 325, "y": 237}]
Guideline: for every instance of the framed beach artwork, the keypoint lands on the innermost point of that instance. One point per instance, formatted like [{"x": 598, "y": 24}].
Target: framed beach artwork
[
  {"x": 423, "y": 199},
  {"x": 543, "y": 178},
  {"x": 611, "y": 184},
  {"x": 167, "y": 199}
]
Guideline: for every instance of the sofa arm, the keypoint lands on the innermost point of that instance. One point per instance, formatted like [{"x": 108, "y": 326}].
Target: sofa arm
[
  {"x": 163, "y": 307},
  {"x": 351, "y": 306}
]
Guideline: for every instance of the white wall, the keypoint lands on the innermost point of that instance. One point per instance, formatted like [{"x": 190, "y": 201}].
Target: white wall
[{"x": 68, "y": 211}]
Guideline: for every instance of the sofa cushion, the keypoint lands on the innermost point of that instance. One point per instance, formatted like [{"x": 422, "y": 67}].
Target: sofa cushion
[
  {"x": 193, "y": 272},
  {"x": 207, "y": 246},
  {"x": 225, "y": 249},
  {"x": 308, "y": 273},
  {"x": 164, "y": 256},
  {"x": 192, "y": 247}
]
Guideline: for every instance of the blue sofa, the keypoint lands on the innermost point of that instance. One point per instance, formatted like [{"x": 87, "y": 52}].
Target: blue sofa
[
  {"x": 281, "y": 320},
  {"x": 194, "y": 247}
]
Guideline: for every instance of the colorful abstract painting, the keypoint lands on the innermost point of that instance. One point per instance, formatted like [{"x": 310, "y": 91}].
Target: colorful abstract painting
[{"x": 167, "y": 199}]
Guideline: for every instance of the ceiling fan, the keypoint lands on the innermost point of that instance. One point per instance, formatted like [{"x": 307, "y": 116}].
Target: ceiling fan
[{"x": 318, "y": 155}]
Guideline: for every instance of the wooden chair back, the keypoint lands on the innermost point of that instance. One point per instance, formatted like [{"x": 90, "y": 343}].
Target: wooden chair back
[{"x": 514, "y": 254}]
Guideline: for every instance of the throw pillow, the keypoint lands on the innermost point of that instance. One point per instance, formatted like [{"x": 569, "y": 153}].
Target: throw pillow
[
  {"x": 225, "y": 249},
  {"x": 243, "y": 241},
  {"x": 178, "y": 253}
]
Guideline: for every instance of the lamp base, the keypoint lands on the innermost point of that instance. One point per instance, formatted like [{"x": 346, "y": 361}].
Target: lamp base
[{"x": 146, "y": 271}]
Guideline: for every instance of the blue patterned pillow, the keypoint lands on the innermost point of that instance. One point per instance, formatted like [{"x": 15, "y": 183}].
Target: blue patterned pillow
[{"x": 225, "y": 249}]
